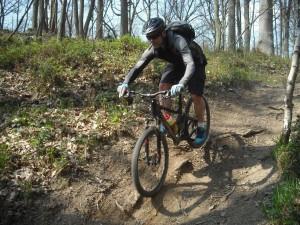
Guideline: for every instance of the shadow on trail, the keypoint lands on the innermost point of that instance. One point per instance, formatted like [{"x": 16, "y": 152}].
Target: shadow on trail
[
  {"x": 47, "y": 210},
  {"x": 217, "y": 179}
]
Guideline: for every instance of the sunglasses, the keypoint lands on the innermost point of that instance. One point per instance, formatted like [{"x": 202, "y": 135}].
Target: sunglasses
[{"x": 153, "y": 36}]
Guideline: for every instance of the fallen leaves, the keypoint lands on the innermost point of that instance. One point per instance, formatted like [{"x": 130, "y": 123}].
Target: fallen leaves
[{"x": 47, "y": 141}]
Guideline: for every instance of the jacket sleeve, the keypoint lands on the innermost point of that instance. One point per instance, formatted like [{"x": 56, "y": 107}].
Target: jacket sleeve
[
  {"x": 147, "y": 56},
  {"x": 182, "y": 47}
]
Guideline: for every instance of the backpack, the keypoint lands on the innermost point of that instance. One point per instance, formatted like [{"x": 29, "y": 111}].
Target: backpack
[{"x": 182, "y": 28}]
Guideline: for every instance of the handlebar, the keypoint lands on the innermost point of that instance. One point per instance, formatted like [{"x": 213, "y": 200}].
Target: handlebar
[{"x": 150, "y": 95}]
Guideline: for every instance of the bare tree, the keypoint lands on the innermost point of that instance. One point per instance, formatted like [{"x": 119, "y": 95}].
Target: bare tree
[
  {"x": 35, "y": 14},
  {"x": 124, "y": 17},
  {"x": 7, "y": 8},
  {"x": 63, "y": 15},
  {"x": 1, "y": 14},
  {"x": 81, "y": 12},
  {"x": 252, "y": 22},
  {"x": 133, "y": 13},
  {"x": 20, "y": 22},
  {"x": 89, "y": 17},
  {"x": 288, "y": 101},
  {"x": 53, "y": 16},
  {"x": 285, "y": 13},
  {"x": 40, "y": 18},
  {"x": 231, "y": 24},
  {"x": 223, "y": 24},
  {"x": 76, "y": 18},
  {"x": 239, "y": 23},
  {"x": 147, "y": 5},
  {"x": 247, "y": 34},
  {"x": 291, "y": 80},
  {"x": 265, "y": 42},
  {"x": 18, "y": 11},
  {"x": 99, "y": 22},
  {"x": 217, "y": 23},
  {"x": 69, "y": 18},
  {"x": 46, "y": 19},
  {"x": 276, "y": 42}
]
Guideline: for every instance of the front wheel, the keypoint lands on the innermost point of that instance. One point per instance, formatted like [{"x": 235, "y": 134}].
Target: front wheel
[
  {"x": 191, "y": 123},
  {"x": 150, "y": 161}
]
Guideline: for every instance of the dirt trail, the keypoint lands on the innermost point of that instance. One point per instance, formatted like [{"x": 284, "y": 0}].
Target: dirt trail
[{"x": 225, "y": 183}]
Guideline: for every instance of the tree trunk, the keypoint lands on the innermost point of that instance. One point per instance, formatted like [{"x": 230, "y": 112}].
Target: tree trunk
[
  {"x": 239, "y": 23},
  {"x": 265, "y": 42},
  {"x": 276, "y": 43},
  {"x": 252, "y": 27},
  {"x": 18, "y": 11},
  {"x": 41, "y": 18},
  {"x": 62, "y": 24},
  {"x": 46, "y": 24},
  {"x": 223, "y": 23},
  {"x": 1, "y": 14},
  {"x": 53, "y": 16},
  {"x": 89, "y": 17},
  {"x": 231, "y": 25},
  {"x": 99, "y": 23},
  {"x": 281, "y": 28},
  {"x": 35, "y": 8},
  {"x": 81, "y": 12},
  {"x": 217, "y": 25},
  {"x": 26, "y": 22},
  {"x": 70, "y": 18},
  {"x": 286, "y": 27},
  {"x": 124, "y": 17},
  {"x": 288, "y": 101},
  {"x": 247, "y": 34},
  {"x": 132, "y": 12},
  {"x": 297, "y": 10},
  {"x": 76, "y": 19}
]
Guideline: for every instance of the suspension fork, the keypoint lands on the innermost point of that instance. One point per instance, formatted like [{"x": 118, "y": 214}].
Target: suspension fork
[{"x": 155, "y": 158}]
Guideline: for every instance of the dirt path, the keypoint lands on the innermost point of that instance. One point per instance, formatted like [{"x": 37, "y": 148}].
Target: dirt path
[{"x": 225, "y": 183}]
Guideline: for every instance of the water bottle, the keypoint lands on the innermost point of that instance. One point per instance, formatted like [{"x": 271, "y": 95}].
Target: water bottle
[{"x": 171, "y": 121}]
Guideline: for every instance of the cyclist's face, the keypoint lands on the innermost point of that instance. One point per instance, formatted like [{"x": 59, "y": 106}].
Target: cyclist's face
[{"x": 156, "y": 40}]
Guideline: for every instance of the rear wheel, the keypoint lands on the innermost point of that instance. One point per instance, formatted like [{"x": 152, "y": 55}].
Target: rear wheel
[
  {"x": 150, "y": 161},
  {"x": 192, "y": 123}
]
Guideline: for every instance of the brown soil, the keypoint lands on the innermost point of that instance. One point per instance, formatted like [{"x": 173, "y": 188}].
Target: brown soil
[{"x": 225, "y": 183}]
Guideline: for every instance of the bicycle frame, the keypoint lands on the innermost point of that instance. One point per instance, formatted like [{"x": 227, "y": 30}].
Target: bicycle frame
[
  {"x": 151, "y": 148},
  {"x": 156, "y": 111}
]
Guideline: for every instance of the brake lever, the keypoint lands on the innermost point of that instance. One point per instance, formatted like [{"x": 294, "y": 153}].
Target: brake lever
[{"x": 167, "y": 95}]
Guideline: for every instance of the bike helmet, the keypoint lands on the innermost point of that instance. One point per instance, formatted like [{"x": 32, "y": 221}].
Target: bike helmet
[{"x": 154, "y": 27}]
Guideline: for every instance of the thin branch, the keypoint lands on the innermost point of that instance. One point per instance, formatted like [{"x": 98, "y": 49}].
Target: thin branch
[
  {"x": 17, "y": 28},
  {"x": 250, "y": 25}
]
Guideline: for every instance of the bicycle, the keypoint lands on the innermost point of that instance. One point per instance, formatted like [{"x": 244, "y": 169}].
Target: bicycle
[{"x": 151, "y": 149}]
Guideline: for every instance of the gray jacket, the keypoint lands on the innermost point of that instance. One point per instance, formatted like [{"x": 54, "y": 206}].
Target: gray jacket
[{"x": 176, "y": 51}]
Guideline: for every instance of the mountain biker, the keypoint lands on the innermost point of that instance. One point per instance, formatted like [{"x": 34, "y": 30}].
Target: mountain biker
[{"x": 186, "y": 67}]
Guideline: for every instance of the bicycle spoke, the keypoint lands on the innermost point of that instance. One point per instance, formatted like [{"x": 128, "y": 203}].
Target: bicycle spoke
[{"x": 151, "y": 164}]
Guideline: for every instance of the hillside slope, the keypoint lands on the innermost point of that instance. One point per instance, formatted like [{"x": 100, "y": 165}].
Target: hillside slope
[{"x": 66, "y": 145}]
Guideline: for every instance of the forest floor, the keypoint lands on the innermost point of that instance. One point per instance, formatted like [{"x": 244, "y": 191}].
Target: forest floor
[{"x": 227, "y": 182}]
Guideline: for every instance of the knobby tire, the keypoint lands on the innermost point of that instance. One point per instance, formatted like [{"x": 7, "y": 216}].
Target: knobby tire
[
  {"x": 188, "y": 122},
  {"x": 141, "y": 149}
]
